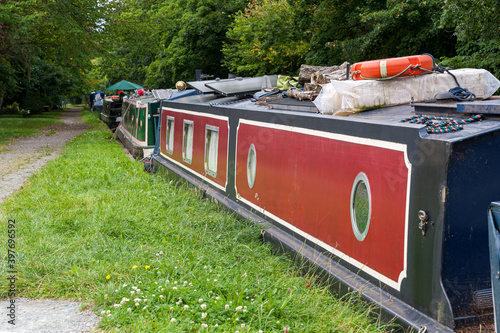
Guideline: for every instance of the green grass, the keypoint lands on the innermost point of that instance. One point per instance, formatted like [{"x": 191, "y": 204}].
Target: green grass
[
  {"x": 15, "y": 126},
  {"x": 148, "y": 254}
]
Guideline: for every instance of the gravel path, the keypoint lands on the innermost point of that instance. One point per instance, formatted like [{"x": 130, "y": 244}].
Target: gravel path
[{"x": 18, "y": 161}]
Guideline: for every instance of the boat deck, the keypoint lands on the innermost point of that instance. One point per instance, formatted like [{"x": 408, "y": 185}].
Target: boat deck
[{"x": 387, "y": 115}]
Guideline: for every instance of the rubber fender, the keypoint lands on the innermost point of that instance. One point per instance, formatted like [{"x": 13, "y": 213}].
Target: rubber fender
[{"x": 392, "y": 67}]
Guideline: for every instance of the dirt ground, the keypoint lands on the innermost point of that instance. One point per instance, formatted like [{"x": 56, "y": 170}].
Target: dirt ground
[{"x": 18, "y": 161}]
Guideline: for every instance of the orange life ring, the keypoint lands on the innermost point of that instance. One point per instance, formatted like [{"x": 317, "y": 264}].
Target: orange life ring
[{"x": 392, "y": 67}]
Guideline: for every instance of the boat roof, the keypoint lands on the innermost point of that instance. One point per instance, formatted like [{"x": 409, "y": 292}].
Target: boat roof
[{"x": 391, "y": 115}]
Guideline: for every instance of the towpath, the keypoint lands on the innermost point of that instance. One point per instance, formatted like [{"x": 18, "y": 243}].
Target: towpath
[{"x": 18, "y": 161}]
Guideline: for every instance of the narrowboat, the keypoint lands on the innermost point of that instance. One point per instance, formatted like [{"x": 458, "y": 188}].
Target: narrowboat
[
  {"x": 138, "y": 126},
  {"x": 111, "y": 111},
  {"x": 387, "y": 207},
  {"x": 137, "y": 130}
]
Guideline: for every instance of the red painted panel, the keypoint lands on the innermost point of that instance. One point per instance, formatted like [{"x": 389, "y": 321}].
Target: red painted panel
[
  {"x": 307, "y": 180},
  {"x": 198, "y": 160}
]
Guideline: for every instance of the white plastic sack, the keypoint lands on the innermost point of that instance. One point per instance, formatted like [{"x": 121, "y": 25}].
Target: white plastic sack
[{"x": 341, "y": 97}]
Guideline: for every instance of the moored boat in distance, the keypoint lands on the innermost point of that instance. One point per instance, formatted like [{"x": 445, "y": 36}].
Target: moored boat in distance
[
  {"x": 388, "y": 208},
  {"x": 138, "y": 126},
  {"x": 139, "y": 120},
  {"x": 111, "y": 111}
]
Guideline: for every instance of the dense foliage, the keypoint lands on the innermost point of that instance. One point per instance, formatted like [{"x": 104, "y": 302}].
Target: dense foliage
[
  {"x": 50, "y": 49},
  {"x": 46, "y": 48}
]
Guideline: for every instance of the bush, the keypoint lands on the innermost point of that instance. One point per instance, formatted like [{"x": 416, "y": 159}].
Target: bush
[{"x": 11, "y": 109}]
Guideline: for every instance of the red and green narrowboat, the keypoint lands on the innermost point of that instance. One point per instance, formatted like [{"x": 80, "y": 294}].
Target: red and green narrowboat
[{"x": 383, "y": 206}]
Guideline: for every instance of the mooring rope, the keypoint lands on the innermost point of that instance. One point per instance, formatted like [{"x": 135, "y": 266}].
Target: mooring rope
[{"x": 444, "y": 124}]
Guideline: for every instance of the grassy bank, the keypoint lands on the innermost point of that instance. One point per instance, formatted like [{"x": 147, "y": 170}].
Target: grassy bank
[
  {"x": 16, "y": 126},
  {"x": 149, "y": 255}
]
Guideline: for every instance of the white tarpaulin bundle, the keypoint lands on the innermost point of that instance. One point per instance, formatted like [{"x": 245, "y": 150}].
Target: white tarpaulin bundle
[{"x": 344, "y": 97}]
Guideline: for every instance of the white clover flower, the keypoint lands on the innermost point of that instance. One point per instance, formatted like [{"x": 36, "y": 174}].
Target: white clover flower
[
  {"x": 216, "y": 325},
  {"x": 162, "y": 289},
  {"x": 203, "y": 315},
  {"x": 173, "y": 320},
  {"x": 144, "y": 308},
  {"x": 203, "y": 306},
  {"x": 136, "y": 304},
  {"x": 162, "y": 297},
  {"x": 132, "y": 293},
  {"x": 185, "y": 282},
  {"x": 106, "y": 296},
  {"x": 217, "y": 298},
  {"x": 204, "y": 326},
  {"x": 248, "y": 297},
  {"x": 171, "y": 308},
  {"x": 237, "y": 332},
  {"x": 174, "y": 288},
  {"x": 226, "y": 307},
  {"x": 205, "y": 267},
  {"x": 239, "y": 308},
  {"x": 190, "y": 284},
  {"x": 186, "y": 307},
  {"x": 200, "y": 300},
  {"x": 103, "y": 313},
  {"x": 129, "y": 310},
  {"x": 244, "y": 310},
  {"x": 116, "y": 290},
  {"x": 230, "y": 302},
  {"x": 117, "y": 306},
  {"x": 215, "y": 280},
  {"x": 252, "y": 300},
  {"x": 124, "y": 285},
  {"x": 108, "y": 312},
  {"x": 175, "y": 282},
  {"x": 242, "y": 325},
  {"x": 161, "y": 252},
  {"x": 261, "y": 331},
  {"x": 137, "y": 300},
  {"x": 237, "y": 319},
  {"x": 168, "y": 282}
]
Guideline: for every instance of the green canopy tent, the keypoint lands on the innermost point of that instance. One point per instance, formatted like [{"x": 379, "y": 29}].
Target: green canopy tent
[{"x": 124, "y": 85}]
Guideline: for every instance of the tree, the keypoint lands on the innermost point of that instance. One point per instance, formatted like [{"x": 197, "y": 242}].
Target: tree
[
  {"x": 61, "y": 34},
  {"x": 477, "y": 31},
  {"x": 266, "y": 39},
  {"x": 191, "y": 35},
  {"x": 373, "y": 29}
]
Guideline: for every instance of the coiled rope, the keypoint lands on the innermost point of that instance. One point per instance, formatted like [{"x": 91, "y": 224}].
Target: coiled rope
[
  {"x": 444, "y": 124},
  {"x": 462, "y": 94}
]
